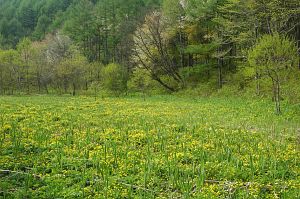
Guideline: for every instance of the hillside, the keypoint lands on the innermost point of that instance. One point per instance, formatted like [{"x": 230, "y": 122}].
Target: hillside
[
  {"x": 116, "y": 47},
  {"x": 19, "y": 18},
  {"x": 35, "y": 18}
]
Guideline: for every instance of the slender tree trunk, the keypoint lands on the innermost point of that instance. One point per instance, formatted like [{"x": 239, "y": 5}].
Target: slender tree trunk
[
  {"x": 164, "y": 85},
  {"x": 278, "y": 98},
  {"x": 27, "y": 77},
  {"x": 144, "y": 95},
  {"x": 96, "y": 92},
  {"x": 269, "y": 26},
  {"x": 65, "y": 84},
  {"x": 2, "y": 84},
  {"x": 276, "y": 91},
  {"x": 74, "y": 89},
  {"x": 99, "y": 44},
  {"x": 39, "y": 82},
  {"x": 19, "y": 82},
  {"x": 106, "y": 58},
  {"x": 46, "y": 88},
  {"x": 190, "y": 59},
  {"x": 298, "y": 40},
  {"x": 65, "y": 88},
  {"x": 257, "y": 76},
  {"x": 114, "y": 56},
  {"x": 257, "y": 79},
  {"x": 220, "y": 76},
  {"x": 181, "y": 44}
]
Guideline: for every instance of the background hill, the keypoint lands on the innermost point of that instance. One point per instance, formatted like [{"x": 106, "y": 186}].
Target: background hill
[{"x": 35, "y": 18}]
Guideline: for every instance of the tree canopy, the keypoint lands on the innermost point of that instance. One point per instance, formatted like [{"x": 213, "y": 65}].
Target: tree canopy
[{"x": 179, "y": 44}]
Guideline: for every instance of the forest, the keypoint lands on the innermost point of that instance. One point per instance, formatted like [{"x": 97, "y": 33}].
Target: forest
[
  {"x": 150, "y": 99},
  {"x": 192, "y": 47}
]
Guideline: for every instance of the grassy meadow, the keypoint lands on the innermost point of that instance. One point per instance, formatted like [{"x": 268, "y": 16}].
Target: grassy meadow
[{"x": 163, "y": 147}]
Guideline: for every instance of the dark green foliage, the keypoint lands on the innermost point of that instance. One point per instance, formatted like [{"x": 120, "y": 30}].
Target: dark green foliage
[{"x": 202, "y": 49}]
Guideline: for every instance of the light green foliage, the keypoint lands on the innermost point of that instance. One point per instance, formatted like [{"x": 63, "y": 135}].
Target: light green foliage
[
  {"x": 140, "y": 81},
  {"x": 10, "y": 71},
  {"x": 274, "y": 56},
  {"x": 174, "y": 12},
  {"x": 115, "y": 78},
  {"x": 62, "y": 147},
  {"x": 71, "y": 71},
  {"x": 25, "y": 49}
]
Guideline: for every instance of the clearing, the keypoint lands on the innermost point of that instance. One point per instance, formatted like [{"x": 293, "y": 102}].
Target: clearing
[{"x": 164, "y": 147}]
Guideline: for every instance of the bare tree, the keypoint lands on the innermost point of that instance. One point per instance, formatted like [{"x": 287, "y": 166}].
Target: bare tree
[{"x": 151, "y": 50}]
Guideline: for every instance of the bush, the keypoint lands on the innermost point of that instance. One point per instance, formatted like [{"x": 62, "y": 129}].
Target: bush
[
  {"x": 115, "y": 78},
  {"x": 200, "y": 90},
  {"x": 141, "y": 82},
  {"x": 291, "y": 89}
]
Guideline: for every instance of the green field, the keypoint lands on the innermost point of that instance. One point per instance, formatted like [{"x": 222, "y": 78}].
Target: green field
[{"x": 164, "y": 147}]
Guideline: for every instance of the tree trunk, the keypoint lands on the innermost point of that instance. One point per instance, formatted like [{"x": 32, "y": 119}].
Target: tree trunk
[
  {"x": 181, "y": 45},
  {"x": 74, "y": 89},
  {"x": 27, "y": 80},
  {"x": 220, "y": 76},
  {"x": 2, "y": 84},
  {"x": 19, "y": 83},
  {"x": 65, "y": 83},
  {"x": 46, "y": 88},
  {"x": 190, "y": 60},
  {"x": 164, "y": 85},
  {"x": 276, "y": 90},
  {"x": 257, "y": 79},
  {"x": 38, "y": 79},
  {"x": 298, "y": 40},
  {"x": 39, "y": 85}
]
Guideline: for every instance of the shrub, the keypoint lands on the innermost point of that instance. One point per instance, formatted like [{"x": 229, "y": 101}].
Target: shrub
[{"x": 115, "y": 78}]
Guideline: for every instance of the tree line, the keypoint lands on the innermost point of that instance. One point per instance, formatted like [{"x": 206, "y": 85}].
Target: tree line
[{"x": 142, "y": 45}]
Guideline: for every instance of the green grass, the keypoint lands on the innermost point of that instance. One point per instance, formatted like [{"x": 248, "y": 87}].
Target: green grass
[{"x": 164, "y": 147}]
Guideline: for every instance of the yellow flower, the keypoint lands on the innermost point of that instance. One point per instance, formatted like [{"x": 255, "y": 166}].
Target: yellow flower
[{"x": 6, "y": 128}]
